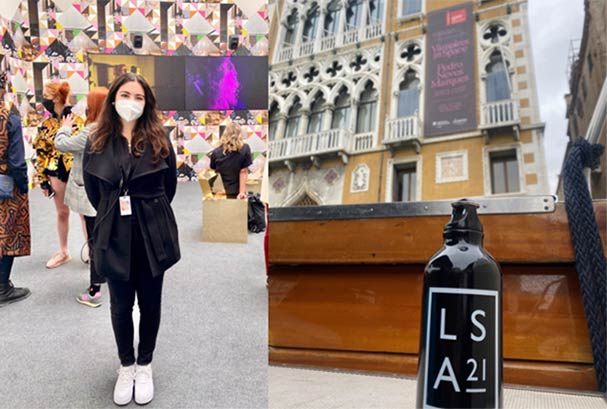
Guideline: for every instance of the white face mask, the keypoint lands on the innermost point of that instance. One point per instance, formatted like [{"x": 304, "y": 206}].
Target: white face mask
[{"x": 129, "y": 110}]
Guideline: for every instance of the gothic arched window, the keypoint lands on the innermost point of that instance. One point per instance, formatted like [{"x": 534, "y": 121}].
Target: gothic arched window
[
  {"x": 332, "y": 17},
  {"x": 273, "y": 123},
  {"x": 367, "y": 109},
  {"x": 310, "y": 26},
  {"x": 293, "y": 119},
  {"x": 316, "y": 114},
  {"x": 341, "y": 114},
  {"x": 354, "y": 13},
  {"x": 376, "y": 11},
  {"x": 497, "y": 80},
  {"x": 408, "y": 95},
  {"x": 291, "y": 28}
]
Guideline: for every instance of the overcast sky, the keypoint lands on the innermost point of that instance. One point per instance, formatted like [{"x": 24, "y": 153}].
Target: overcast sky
[{"x": 553, "y": 24}]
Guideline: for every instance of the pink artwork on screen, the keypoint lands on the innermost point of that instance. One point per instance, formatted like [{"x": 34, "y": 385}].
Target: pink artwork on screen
[{"x": 226, "y": 82}]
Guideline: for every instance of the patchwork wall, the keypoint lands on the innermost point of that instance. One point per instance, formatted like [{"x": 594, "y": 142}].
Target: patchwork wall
[{"x": 49, "y": 41}]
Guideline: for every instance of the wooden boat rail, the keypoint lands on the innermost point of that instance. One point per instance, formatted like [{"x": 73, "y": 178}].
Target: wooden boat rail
[{"x": 346, "y": 292}]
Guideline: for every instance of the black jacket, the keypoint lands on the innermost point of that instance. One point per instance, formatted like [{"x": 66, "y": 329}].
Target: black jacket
[
  {"x": 151, "y": 188},
  {"x": 15, "y": 158}
]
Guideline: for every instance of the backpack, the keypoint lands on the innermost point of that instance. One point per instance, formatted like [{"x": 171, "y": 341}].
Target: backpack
[{"x": 256, "y": 213}]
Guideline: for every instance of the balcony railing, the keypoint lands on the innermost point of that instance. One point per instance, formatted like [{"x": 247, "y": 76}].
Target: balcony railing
[
  {"x": 286, "y": 53},
  {"x": 278, "y": 149},
  {"x": 306, "y": 48},
  {"x": 500, "y": 113},
  {"x": 334, "y": 140},
  {"x": 373, "y": 30},
  {"x": 351, "y": 36},
  {"x": 362, "y": 142},
  {"x": 402, "y": 129},
  {"x": 328, "y": 42}
]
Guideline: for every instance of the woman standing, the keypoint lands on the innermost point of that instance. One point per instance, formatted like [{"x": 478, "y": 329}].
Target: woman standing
[
  {"x": 75, "y": 195},
  {"x": 52, "y": 166},
  {"x": 14, "y": 212},
  {"x": 231, "y": 159},
  {"x": 130, "y": 176}
]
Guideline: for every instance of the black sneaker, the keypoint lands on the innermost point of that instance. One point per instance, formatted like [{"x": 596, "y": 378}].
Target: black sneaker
[{"x": 10, "y": 294}]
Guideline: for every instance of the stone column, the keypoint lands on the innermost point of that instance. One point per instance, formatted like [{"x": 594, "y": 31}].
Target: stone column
[
  {"x": 303, "y": 122},
  {"x": 342, "y": 23},
  {"x": 354, "y": 115},
  {"x": 320, "y": 31},
  {"x": 363, "y": 21},
  {"x": 280, "y": 128},
  {"x": 328, "y": 117},
  {"x": 299, "y": 35}
]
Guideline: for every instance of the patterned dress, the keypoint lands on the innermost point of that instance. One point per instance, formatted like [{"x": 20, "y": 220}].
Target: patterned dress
[
  {"x": 49, "y": 161},
  {"x": 15, "y": 239}
]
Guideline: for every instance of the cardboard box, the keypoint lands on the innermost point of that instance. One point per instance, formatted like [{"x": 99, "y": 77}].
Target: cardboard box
[{"x": 225, "y": 221}]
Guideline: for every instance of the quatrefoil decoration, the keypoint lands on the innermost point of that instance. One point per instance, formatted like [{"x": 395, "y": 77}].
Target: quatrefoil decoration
[
  {"x": 334, "y": 68},
  {"x": 289, "y": 79},
  {"x": 494, "y": 33},
  {"x": 358, "y": 62},
  {"x": 411, "y": 51},
  {"x": 311, "y": 74}
]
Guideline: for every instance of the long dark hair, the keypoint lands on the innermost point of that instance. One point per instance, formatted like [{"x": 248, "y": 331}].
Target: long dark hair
[{"x": 148, "y": 128}]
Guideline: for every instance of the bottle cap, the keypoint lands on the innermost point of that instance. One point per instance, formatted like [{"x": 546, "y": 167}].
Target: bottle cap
[{"x": 464, "y": 217}]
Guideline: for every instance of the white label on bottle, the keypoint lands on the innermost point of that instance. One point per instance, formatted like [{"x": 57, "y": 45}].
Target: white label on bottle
[{"x": 462, "y": 347}]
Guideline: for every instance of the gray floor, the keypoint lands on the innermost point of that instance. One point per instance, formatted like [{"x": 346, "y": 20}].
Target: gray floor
[
  {"x": 301, "y": 388},
  {"x": 212, "y": 346}
]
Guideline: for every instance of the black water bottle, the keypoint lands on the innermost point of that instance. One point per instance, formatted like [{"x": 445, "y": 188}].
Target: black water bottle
[{"x": 460, "y": 353}]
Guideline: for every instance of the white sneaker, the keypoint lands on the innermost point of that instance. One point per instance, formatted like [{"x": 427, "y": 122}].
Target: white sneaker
[
  {"x": 144, "y": 384},
  {"x": 123, "y": 391}
]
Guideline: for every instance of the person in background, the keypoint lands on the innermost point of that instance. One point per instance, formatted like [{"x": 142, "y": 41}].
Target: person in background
[
  {"x": 15, "y": 239},
  {"x": 75, "y": 194},
  {"x": 52, "y": 166},
  {"x": 258, "y": 166},
  {"x": 130, "y": 177},
  {"x": 231, "y": 159}
]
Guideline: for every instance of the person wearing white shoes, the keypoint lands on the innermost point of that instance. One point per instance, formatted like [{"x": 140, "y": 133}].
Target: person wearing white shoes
[
  {"x": 144, "y": 390},
  {"x": 130, "y": 177}
]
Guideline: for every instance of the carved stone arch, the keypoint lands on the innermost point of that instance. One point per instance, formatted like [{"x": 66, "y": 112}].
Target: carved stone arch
[
  {"x": 339, "y": 84},
  {"x": 362, "y": 82},
  {"x": 280, "y": 101},
  {"x": 292, "y": 95},
  {"x": 507, "y": 54},
  {"x": 303, "y": 191},
  {"x": 314, "y": 90},
  {"x": 409, "y": 67}
]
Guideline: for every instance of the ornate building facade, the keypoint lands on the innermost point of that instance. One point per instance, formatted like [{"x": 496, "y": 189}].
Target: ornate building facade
[
  {"x": 587, "y": 96},
  {"x": 359, "y": 90}
]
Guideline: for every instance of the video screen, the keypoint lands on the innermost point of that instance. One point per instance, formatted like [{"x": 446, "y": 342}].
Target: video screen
[
  {"x": 192, "y": 83},
  {"x": 164, "y": 74},
  {"x": 222, "y": 83}
]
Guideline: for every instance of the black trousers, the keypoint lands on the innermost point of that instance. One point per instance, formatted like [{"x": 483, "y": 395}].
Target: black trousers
[
  {"x": 90, "y": 225},
  {"x": 6, "y": 265},
  {"x": 122, "y": 298}
]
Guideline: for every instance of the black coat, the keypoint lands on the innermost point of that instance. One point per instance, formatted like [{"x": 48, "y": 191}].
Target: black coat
[{"x": 151, "y": 188}]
